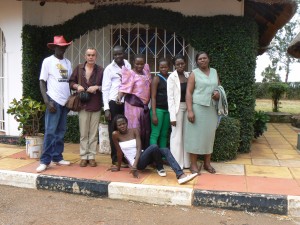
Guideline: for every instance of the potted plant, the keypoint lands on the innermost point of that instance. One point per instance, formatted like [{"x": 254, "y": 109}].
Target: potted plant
[
  {"x": 28, "y": 113},
  {"x": 104, "y": 144}
]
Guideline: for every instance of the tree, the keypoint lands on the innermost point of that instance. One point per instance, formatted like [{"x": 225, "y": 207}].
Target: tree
[
  {"x": 270, "y": 75},
  {"x": 280, "y": 59}
]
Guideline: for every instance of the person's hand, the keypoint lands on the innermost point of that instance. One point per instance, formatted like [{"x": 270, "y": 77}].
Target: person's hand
[
  {"x": 154, "y": 119},
  {"x": 216, "y": 95},
  {"x": 191, "y": 116},
  {"x": 80, "y": 89},
  {"x": 92, "y": 89},
  {"x": 118, "y": 100},
  {"x": 134, "y": 172},
  {"x": 113, "y": 169},
  {"x": 173, "y": 123},
  {"x": 51, "y": 107},
  {"x": 107, "y": 115}
]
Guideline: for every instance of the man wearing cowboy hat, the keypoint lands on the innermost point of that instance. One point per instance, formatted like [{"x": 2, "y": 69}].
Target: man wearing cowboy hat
[{"x": 54, "y": 84}]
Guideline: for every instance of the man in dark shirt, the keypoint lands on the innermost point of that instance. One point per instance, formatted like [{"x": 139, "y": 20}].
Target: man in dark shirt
[{"x": 90, "y": 81}]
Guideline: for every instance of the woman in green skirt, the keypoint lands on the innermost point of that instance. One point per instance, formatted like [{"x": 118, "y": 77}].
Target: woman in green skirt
[{"x": 202, "y": 116}]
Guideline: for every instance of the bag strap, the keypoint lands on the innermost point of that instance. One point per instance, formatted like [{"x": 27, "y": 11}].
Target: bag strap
[{"x": 162, "y": 77}]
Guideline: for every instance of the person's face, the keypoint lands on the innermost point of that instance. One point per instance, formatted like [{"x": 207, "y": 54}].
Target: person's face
[
  {"x": 118, "y": 55},
  {"x": 60, "y": 50},
  {"x": 203, "y": 61},
  {"x": 179, "y": 65},
  {"x": 139, "y": 64},
  {"x": 90, "y": 56},
  {"x": 121, "y": 125},
  {"x": 163, "y": 68}
]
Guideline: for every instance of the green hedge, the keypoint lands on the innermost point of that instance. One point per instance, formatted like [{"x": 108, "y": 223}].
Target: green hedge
[
  {"x": 231, "y": 41},
  {"x": 72, "y": 133},
  {"x": 227, "y": 140}
]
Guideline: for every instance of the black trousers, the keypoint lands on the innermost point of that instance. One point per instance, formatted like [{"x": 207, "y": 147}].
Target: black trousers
[{"x": 115, "y": 109}]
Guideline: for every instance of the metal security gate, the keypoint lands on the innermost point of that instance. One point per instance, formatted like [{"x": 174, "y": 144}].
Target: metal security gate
[
  {"x": 135, "y": 38},
  {"x": 2, "y": 51}
]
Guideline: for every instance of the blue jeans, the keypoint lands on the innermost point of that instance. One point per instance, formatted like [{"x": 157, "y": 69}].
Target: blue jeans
[
  {"x": 55, "y": 129},
  {"x": 153, "y": 154}
]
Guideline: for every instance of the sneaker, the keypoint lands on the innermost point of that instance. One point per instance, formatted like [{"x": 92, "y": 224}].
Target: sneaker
[
  {"x": 41, "y": 168},
  {"x": 63, "y": 163},
  {"x": 187, "y": 178},
  {"x": 162, "y": 173}
]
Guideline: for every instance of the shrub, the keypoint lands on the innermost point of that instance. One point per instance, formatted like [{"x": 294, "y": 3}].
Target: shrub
[
  {"x": 227, "y": 140},
  {"x": 277, "y": 89},
  {"x": 260, "y": 123},
  {"x": 72, "y": 133}
]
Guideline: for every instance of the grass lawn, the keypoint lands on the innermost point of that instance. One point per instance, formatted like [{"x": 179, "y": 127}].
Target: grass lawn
[{"x": 289, "y": 106}]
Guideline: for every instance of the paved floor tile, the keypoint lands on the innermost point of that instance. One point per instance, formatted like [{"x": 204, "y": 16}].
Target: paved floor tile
[
  {"x": 272, "y": 186},
  {"x": 12, "y": 164},
  {"x": 169, "y": 180},
  {"x": 124, "y": 176},
  {"x": 268, "y": 171},
  {"x": 283, "y": 147},
  {"x": 285, "y": 151},
  {"x": 9, "y": 151},
  {"x": 241, "y": 161},
  {"x": 285, "y": 156},
  {"x": 260, "y": 146},
  {"x": 221, "y": 183},
  {"x": 263, "y": 150},
  {"x": 295, "y": 172},
  {"x": 289, "y": 163},
  {"x": 20, "y": 155},
  {"x": 227, "y": 169},
  {"x": 71, "y": 157},
  {"x": 244, "y": 155},
  {"x": 260, "y": 155},
  {"x": 265, "y": 162}
]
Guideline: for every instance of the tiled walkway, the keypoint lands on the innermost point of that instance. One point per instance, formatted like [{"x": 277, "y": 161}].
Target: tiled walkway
[{"x": 272, "y": 167}]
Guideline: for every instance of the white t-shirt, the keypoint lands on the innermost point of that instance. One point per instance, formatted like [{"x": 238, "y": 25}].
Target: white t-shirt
[{"x": 57, "y": 73}]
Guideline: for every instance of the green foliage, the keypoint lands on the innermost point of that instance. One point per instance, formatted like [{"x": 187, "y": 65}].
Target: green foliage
[
  {"x": 231, "y": 41},
  {"x": 277, "y": 89},
  {"x": 281, "y": 60},
  {"x": 28, "y": 113},
  {"x": 72, "y": 134},
  {"x": 227, "y": 140},
  {"x": 102, "y": 117},
  {"x": 260, "y": 123},
  {"x": 270, "y": 75}
]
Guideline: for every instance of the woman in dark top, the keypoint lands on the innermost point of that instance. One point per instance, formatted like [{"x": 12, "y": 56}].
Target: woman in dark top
[{"x": 159, "y": 114}]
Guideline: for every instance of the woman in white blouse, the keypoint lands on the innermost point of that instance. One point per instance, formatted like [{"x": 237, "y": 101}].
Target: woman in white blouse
[{"x": 176, "y": 89}]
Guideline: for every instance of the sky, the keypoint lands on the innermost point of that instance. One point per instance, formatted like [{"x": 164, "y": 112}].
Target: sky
[{"x": 263, "y": 61}]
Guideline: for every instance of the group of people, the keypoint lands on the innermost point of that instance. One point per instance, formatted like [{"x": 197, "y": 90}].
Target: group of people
[{"x": 138, "y": 135}]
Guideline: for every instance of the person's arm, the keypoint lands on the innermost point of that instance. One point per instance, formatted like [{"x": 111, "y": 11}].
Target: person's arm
[
  {"x": 49, "y": 104},
  {"x": 216, "y": 94},
  {"x": 154, "y": 85},
  {"x": 74, "y": 84},
  {"x": 115, "y": 138},
  {"x": 138, "y": 153},
  {"x": 106, "y": 85},
  {"x": 189, "y": 97},
  {"x": 171, "y": 99}
]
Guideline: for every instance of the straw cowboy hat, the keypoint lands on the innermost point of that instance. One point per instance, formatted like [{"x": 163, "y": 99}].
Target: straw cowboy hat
[{"x": 58, "y": 41}]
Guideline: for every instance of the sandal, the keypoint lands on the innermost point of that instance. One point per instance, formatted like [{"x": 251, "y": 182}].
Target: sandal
[
  {"x": 210, "y": 169},
  {"x": 200, "y": 167}
]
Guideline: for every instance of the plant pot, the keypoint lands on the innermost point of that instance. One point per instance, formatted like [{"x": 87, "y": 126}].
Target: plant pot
[
  {"x": 104, "y": 144},
  {"x": 34, "y": 146}
]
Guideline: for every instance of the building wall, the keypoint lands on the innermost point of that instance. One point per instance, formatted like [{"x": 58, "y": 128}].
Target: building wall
[
  {"x": 11, "y": 25},
  {"x": 56, "y": 13}
]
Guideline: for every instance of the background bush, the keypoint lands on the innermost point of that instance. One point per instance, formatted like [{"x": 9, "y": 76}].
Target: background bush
[
  {"x": 72, "y": 133},
  {"x": 231, "y": 41},
  {"x": 260, "y": 123},
  {"x": 227, "y": 140},
  {"x": 292, "y": 93}
]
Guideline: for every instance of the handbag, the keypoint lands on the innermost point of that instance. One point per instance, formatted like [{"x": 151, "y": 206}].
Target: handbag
[{"x": 73, "y": 102}]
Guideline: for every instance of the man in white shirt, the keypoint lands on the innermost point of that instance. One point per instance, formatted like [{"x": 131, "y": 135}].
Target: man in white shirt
[
  {"x": 54, "y": 84},
  {"x": 110, "y": 88}
]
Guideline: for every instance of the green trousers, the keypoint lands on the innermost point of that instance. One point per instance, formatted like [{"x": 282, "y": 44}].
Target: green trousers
[{"x": 160, "y": 132}]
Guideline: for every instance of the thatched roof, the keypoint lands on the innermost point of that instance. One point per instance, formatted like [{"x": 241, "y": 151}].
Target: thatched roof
[
  {"x": 294, "y": 47},
  {"x": 270, "y": 15}
]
